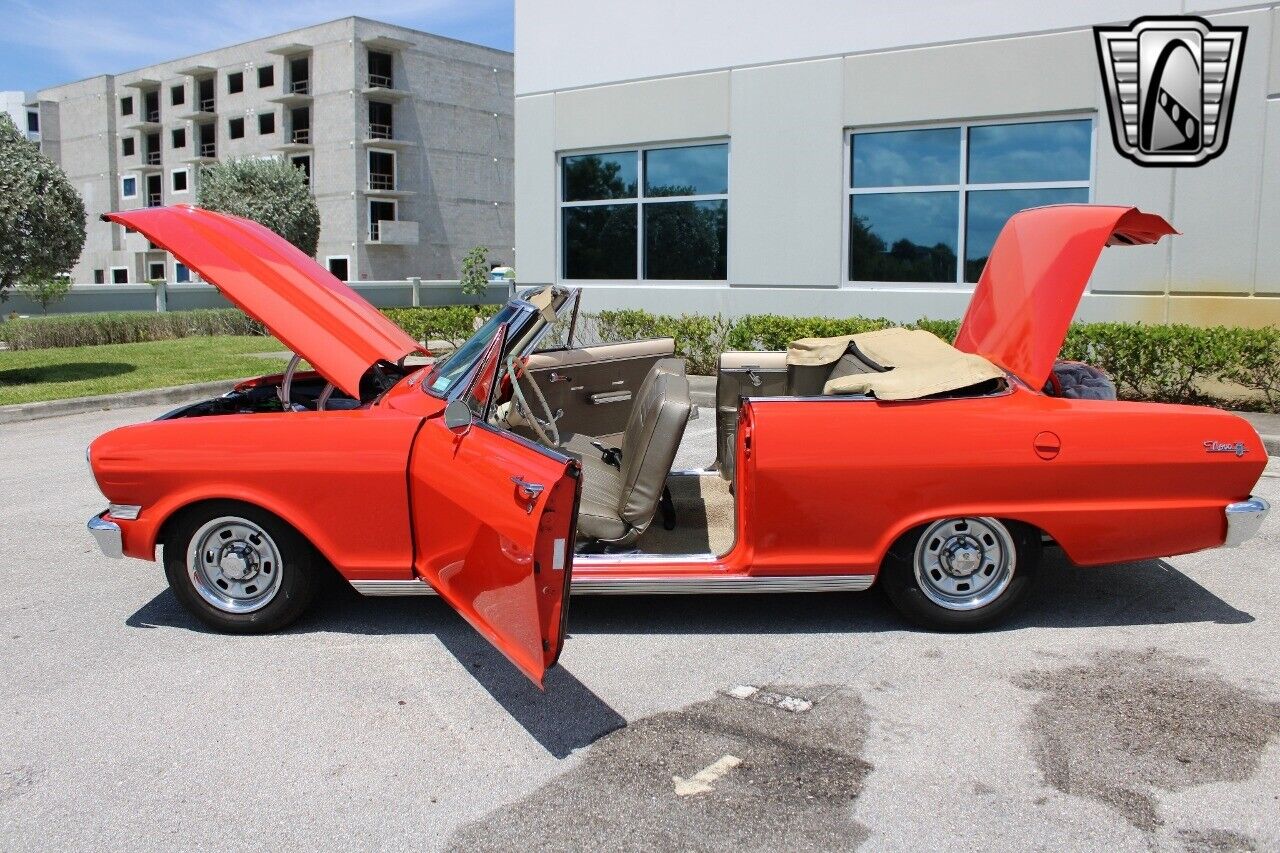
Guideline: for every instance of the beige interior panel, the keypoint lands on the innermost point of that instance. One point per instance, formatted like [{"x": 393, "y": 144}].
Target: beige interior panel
[
  {"x": 651, "y": 348},
  {"x": 761, "y": 360}
]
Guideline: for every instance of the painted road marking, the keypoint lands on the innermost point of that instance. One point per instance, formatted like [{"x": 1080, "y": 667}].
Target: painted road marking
[{"x": 700, "y": 782}]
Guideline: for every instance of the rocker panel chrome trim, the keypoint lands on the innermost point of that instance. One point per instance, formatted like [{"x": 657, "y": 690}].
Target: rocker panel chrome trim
[{"x": 660, "y": 585}]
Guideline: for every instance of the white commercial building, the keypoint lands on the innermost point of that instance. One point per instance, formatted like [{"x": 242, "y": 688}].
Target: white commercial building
[
  {"x": 26, "y": 117},
  {"x": 839, "y": 157}
]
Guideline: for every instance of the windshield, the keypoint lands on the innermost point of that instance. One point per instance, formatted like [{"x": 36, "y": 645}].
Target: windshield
[{"x": 454, "y": 367}]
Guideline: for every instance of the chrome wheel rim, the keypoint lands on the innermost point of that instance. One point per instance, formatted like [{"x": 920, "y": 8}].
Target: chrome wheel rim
[
  {"x": 234, "y": 565},
  {"x": 965, "y": 563}
]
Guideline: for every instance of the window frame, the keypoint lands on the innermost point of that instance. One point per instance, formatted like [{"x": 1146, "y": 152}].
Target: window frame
[
  {"x": 370, "y": 201},
  {"x": 237, "y": 76},
  {"x": 962, "y": 188},
  {"x": 126, "y": 101},
  {"x": 368, "y": 170},
  {"x": 111, "y": 275},
  {"x": 173, "y": 132},
  {"x": 270, "y": 68},
  {"x": 185, "y": 171},
  {"x": 130, "y": 141},
  {"x": 639, "y": 200},
  {"x": 231, "y": 123},
  {"x": 267, "y": 114},
  {"x": 164, "y": 271},
  {"x": 136, "y": 186},
  {"x": 345, "y": 258}
]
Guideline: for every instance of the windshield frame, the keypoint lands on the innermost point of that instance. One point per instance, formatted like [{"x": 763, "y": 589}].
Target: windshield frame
[{"x": 521, "y": 314}]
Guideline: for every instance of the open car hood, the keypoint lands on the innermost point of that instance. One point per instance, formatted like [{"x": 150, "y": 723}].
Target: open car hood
[
  {"x": 302, "y": 304},
  {"x": 1035, "y": 276}
]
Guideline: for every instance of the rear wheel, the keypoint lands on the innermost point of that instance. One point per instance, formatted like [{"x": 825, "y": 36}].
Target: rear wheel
[
  {"x": 962, "y": 573},
  {"x": 239, "y": 569}
]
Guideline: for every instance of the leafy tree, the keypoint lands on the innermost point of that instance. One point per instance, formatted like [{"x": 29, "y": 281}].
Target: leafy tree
[
  {"x": 475, "y": 272},
  {"x": 45, "y": 290},
  {"x": 41, "y": 216},
  {"x": 271, "y": 192}
]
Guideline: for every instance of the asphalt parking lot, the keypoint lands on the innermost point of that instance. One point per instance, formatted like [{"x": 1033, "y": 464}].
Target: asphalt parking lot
[{"x": 1127, "y": 708}]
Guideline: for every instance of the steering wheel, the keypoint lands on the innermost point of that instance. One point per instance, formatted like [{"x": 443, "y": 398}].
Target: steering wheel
[{"x": 547, "y": 431}]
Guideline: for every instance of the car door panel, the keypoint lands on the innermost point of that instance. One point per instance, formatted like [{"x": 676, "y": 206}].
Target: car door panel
[
  {"x": 595, "y": 386},
  {"x": 499, "y": 552},
  {"x": 743, "y": 374}
]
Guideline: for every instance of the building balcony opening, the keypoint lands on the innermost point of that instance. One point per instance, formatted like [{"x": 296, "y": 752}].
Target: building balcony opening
[
  {"x": 208, "y": 140},
  {"x": 380, "y": 121},
  {"x": 151, "y": 106},
  {"x": 300, "y": 125},
  {"x": 380, "y": 70},
  {"x": 379, "y": 212},
  {"x": 155, "y": 191},
  {"x": 300, "y": 75},
  {"x": 382, "y": 170},
  {"x": 152, "y": 149},
  {"x": 205, "y": 95}
]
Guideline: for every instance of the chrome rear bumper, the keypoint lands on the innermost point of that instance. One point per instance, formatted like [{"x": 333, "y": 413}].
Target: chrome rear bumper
[
  {"x": 107, "y": 535},
  {"x": 1243, "y": 520}
]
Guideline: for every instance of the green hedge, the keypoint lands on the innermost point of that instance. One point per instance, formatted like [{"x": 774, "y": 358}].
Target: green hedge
[
  {"x": 1166, "y": 363},
  {"x": 123, "y": 327},
  {"x": 449, "y": 323}
]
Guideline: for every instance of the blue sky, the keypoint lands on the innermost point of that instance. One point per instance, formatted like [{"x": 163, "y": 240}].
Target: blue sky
[{"x": 48, "y": 42}]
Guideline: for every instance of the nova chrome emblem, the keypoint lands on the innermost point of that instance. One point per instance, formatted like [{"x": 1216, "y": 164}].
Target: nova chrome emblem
[
  {"x": 1236, "y": 447},
  {"x": 1170, "y": 85}
]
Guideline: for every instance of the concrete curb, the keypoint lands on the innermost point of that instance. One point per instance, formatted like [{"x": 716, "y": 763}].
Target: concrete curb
[{"x": 128, "y": 399}]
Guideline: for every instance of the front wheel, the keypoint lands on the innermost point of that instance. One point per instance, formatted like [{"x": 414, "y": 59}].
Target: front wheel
[
  {"x": 239, "y": 569},
  {"x": 961, "y": 574}
]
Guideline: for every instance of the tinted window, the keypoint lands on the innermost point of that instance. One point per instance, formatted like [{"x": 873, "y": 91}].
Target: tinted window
[
  {"x": 598, "y": 176},
  {"x": 1040, "y": 151},
  {"x": 988, "y": 210},
  {"x": 129, "y": 187},
  {"x": 600, "y": 241},
  {"x": 692, "y": 170},
  {"x": 903, "y": 236},
  {"x": 907, "y": 158},
  {"x": 685, "y": 240}
]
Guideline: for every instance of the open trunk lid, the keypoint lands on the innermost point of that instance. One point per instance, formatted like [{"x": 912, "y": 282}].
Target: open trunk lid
[
  {"x": 1035, "y": 276},
  {"x": 302, "y": 304}
]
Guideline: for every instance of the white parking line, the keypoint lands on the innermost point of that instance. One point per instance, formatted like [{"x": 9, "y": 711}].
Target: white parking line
[{"x": 700, "y": 782}]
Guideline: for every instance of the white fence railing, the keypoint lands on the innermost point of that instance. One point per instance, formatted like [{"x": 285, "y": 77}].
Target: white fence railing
[{"x": 186, "y": 296}]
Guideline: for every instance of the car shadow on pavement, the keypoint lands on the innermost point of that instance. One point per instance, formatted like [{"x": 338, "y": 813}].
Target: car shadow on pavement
[
  {"x": 569, "y": 715},
  {"x": 566, "y": 716}
]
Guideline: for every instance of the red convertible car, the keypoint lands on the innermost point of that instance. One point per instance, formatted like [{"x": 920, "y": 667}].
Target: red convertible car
[{"x": 521, "y": 468}]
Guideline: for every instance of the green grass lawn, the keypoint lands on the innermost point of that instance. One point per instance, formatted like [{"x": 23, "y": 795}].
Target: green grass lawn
[{"x": 53, "y": 374}]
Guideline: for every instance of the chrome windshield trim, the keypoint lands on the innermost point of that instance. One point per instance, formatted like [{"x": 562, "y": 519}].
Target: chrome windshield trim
[
  {"x": 107, "y": 535},
  {"x": 1243, "y": 520}
]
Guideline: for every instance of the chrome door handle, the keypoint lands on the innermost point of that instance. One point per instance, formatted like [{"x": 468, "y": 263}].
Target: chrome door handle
[
  {"x": 557, "y": 377},
  {"x": 528, "y": 492}
]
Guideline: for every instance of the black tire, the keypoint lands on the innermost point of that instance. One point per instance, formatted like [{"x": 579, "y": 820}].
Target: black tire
[
  {"x": 292, "y": 576},
  {"x": 899, "y": 578}
]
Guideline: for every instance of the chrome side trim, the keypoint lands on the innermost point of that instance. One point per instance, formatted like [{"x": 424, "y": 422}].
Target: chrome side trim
[
  {"x": 660, "y": 585},
  {"x": 107, "y": 535},
  {"x": 1243, "y": 520},
  {"x": 409, "y": 587}
]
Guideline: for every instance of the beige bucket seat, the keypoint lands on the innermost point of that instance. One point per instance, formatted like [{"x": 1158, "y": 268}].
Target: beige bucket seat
[{"x": 619, "y": 502}]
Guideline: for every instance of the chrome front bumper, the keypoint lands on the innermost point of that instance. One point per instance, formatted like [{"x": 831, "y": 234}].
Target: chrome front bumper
[
  {"x": 107, "y": 535},
  {"x": 1244, "y": 519}
]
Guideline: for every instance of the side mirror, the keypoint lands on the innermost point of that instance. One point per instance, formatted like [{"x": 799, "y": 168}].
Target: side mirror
[{"x": 457, "y": 416}]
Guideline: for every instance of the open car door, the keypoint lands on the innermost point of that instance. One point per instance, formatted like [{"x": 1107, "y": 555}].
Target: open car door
[{"x": 494, "y": 520}]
